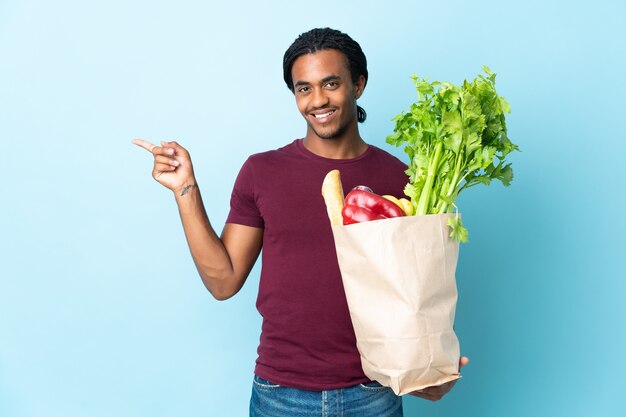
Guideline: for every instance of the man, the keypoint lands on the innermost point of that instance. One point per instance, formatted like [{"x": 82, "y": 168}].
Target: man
[{"x": 308, "y": 362}]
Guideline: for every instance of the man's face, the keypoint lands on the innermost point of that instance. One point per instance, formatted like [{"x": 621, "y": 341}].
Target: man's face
[{"x": 325, "y": 93}]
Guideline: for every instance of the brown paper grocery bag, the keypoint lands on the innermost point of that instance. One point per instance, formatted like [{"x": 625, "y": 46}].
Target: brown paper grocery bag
[{"x": 399, "y": 278}]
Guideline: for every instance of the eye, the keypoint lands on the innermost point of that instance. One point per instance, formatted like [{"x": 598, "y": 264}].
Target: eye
[
  {"x": 303, "y": 89},
  {"x": 332, "y": 84}
]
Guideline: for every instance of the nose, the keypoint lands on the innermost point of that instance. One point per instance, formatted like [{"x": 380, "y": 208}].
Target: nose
[{"x": 319, "y": 99}]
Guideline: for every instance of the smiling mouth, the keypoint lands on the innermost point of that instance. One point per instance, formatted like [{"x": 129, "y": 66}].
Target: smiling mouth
[{"x": 321, "y": 116}]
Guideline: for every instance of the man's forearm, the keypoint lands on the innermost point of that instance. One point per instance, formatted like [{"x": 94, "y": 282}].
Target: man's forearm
[{"x": 207, "y": 250}]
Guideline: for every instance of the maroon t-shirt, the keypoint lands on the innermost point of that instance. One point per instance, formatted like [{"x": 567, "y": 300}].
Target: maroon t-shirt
[{"x": 307, "y": 338}]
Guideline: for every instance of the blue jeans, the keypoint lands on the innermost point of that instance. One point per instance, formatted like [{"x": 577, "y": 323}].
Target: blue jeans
[{"x": 363, "y": 400}]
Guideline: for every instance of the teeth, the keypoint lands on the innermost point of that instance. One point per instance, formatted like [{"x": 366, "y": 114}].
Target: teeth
[{"x": 323, "y": 115}]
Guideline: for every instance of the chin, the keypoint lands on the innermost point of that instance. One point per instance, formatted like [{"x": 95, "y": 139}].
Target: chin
[{"x": 330, "y": 134}]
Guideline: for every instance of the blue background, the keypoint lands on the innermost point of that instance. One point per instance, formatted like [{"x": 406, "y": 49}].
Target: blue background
[{"x": 101, "y": 310}]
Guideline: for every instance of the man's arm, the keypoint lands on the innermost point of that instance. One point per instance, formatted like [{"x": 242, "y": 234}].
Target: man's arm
[{"x": 223, "y": 263}]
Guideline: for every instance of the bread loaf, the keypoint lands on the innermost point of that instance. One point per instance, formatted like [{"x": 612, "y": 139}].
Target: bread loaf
[{"x": 333, "y": 197}]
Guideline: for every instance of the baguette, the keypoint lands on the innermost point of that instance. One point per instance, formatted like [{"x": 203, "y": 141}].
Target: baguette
[{"x": 333, "y": 197}]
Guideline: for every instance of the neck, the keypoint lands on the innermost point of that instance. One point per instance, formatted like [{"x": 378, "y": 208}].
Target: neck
[
  {"x": 335, "y": 149},
  {"x": 347, "y": 146}
]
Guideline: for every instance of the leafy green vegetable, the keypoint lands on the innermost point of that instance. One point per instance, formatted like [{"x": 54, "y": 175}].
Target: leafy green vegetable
[
  {"x": 456, "y": 138},
  {"x": 458, "y": 231}
]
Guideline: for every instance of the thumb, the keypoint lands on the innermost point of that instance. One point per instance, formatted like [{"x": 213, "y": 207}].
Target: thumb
[
  {"x": 463, "y": 361},
  {"x": 178, "y": 150},
  {"x": 172, "y": 144}
]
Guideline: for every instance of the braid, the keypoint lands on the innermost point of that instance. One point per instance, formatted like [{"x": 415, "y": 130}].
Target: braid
[{"x": 322, "y": 39}]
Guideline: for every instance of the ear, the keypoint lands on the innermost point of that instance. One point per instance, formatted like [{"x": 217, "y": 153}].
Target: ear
[{"x": 359, "y": 86}]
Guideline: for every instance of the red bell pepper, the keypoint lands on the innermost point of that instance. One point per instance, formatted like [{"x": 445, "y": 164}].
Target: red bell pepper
[
  {"x": 356, "y": 214},
  {"x": 361, "y": 206}
]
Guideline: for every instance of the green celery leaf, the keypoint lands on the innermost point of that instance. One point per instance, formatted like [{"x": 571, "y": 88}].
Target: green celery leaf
[
  {"x": 470, "y": 107},
  {"x": 476, "y": 162},
  {"x": 472, "y": 143},
  {"x": 488, "y": 154},
  {"x": 505, "y": 105},
  {"x": 482, "y": 179},
  {"x": 506, "y": 175},
  {"x": 423, "y": 86},
  {"x": 421, "y": 161},
  {"x": 458, "y": 232}
]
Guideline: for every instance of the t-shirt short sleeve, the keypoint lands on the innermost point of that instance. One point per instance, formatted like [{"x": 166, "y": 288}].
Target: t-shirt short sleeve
[{"x": 243, "y": 203}]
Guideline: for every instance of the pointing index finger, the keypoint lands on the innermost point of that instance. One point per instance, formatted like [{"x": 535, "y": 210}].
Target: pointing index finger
[{"x": 144, "y": 144}]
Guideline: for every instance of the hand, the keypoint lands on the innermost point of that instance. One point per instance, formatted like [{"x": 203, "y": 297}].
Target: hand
[
  {"x": 172, "y": 164},
  {"x": 436, "y": 393}
]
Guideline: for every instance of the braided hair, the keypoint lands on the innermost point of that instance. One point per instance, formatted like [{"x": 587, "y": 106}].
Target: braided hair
[{"x": 322, "y": 39}]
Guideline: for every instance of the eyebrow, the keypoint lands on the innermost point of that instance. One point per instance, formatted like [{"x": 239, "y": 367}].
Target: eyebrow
[{"x": 324, "y": 80}]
